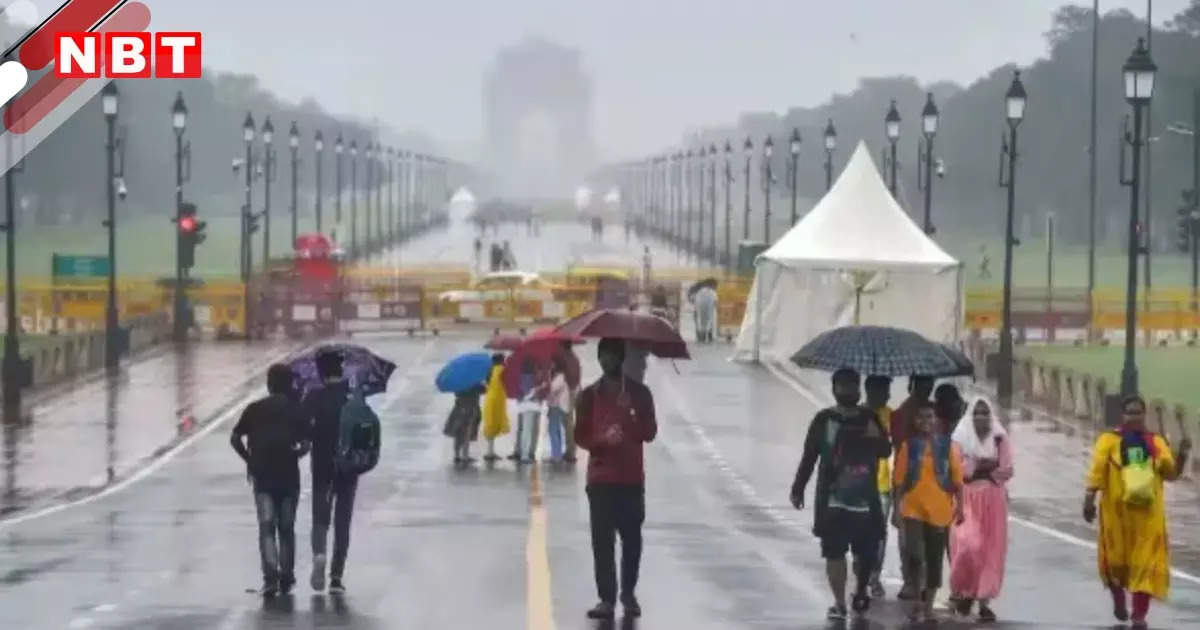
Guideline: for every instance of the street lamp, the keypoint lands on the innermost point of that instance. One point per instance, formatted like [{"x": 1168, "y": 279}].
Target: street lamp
[
  {"x": 1014, "y": 102},
  {"x": 339, "y": 148},
  {"x": 179, "y": 325},
  {"x": 268, "y": 134},
  {"x": 728, "y": 202},
  {"x": 830, "y": 146},
  {"x": 353, "y": 199},
  {"x": 109, "y": 101},
  {"x": 248, "y": 131},
  {"x": 368, "y": 163},
  {"x": 892, "y": 127},
  {"x": 391, "y": 186},
  {"x": 294, "y": 144},
  {"x": 795, "y": 147},
  {"x": 14, "y": 373},
  {"x": 929, "y": 126},
  {"x": 319, "y": 149},
  {"x": 1139, "y": 72},
  {"x": 748, "y": 149},
  {"x": 768, "y": 150},
  {"x": 712, "y": 202}
]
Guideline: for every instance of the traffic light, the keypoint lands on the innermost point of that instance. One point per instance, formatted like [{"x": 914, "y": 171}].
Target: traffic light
[{"x": 191, "y": 234}]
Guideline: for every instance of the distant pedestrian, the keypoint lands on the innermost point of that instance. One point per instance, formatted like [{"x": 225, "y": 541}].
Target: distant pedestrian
[
  {"x": 847, "y": 440},
  {"x": 615, "y": 419},
  {"x": 495, "y": 408},
  {"x": 529, "y": 413},
  {"x": 705, "y": 302},
  {"x": 271, "y": 436},
  {"x": 463, "y": 422},
  {"x": 478, "y": 253},
  {"x": 928, "y": 479},
  {"x": 985, "y": 264},
  {"x": 878, "y": 392},
  {"x": 920, "y": 388},
  {"x": 497, "y": 257},
  {"x": 1129, "y": 466},
  {"x": 333, "y": 491},
  {"x": 508, "y": 261},
  {"x": 980, "y": 543},
  {"x": 558, "y": 410}
]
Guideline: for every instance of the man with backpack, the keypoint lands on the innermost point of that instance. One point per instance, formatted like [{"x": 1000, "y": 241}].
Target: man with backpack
[
  {"x": 271, "y": 437},
  {"x": 848, "y": 441},
  {"x": 345, "y": 444}
]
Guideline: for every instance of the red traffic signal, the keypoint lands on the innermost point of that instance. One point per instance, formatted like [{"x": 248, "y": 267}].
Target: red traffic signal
[{"x": 187, "y": 223}]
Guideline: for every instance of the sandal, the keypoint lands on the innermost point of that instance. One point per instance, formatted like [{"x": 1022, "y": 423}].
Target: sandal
[
  {"x": 861, "y": 603},
  {"x": 836, "y": 613},
  {"x": 986, "y": 615},
  {"x": 962, "y": 605}
]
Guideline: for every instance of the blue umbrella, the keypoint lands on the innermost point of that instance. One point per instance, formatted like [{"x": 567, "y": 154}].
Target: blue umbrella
[
  {"x": 363, "y": 369},
  {"x": 464, "y": 372}
]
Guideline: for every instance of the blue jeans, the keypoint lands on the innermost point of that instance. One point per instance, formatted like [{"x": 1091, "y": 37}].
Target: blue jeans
[
  {"x": 558, "y": 419},
  {"x": 277, "y": 535},
  {"x": 334, "y": 495}
]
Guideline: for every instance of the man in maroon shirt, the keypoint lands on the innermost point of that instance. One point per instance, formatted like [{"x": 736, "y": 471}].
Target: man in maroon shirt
[{"x": 614, "y": 418}]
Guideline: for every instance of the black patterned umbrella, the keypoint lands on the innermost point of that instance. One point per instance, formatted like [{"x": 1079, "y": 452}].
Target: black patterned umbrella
[{"x": 881, "y": 350}]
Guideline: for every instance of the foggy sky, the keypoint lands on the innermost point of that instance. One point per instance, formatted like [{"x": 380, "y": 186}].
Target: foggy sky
[{"x": 659, "y": 67}]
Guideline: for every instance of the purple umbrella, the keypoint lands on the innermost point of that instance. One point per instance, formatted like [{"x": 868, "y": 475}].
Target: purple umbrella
[{"x": 363, "y": 369}]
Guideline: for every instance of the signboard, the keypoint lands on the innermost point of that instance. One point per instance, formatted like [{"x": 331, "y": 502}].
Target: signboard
[{"x": 69, "y": 266}]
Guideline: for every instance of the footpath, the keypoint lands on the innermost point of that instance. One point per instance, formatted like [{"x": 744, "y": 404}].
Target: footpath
[{"x": 96, "y": 431}]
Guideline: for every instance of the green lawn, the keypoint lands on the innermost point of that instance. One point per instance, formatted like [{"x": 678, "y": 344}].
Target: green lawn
[{"x": 1167, "y": 373}]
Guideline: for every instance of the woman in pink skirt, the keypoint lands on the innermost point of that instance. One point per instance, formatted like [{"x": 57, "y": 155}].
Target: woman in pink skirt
[{"x": 978, "y": 546}]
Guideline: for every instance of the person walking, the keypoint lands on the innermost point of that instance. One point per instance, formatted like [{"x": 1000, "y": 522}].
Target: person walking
[
  {"x": 271, "y": 436},
  {"x": 615, "y": 418},
  {"x": 558, "y": 411},
  {"x": 529, "y": 412},
  {"x": 928, "y": 480},
  {"x": 980, "y": 543},
  {"x": 878, "y": 391},
  {"x": 462, "y": 425},
  {"x": 1129, "y": 465},
  {"x": 333, "y": 491},
  {"x": 495, "y": 408},
  {"x": 705, "y": 304},
  {"x": 848, "y": 441},
  {"x": 920, "y": 388}
]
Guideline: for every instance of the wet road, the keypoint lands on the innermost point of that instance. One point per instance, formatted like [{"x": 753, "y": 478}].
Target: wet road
[
  {"x": 172, "y": 544},
  {"x": 438, "y": 547}
]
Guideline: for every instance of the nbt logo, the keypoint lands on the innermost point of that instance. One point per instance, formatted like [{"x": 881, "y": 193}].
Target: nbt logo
[{"x": 87, "y": 55}]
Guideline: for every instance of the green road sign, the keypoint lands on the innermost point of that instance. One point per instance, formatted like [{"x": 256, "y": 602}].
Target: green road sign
[{"x": 68, "y": 266}]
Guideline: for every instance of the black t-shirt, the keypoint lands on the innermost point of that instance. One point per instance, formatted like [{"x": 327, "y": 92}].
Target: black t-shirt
[
  {"x": 324, "y": 407},
  {"x": 274, "y": 426}
]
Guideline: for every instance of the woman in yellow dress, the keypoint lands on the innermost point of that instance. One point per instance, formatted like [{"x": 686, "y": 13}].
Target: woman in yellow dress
[
  {"x": 1129, "y": 466},
  {"x": 495, "y": 408}
]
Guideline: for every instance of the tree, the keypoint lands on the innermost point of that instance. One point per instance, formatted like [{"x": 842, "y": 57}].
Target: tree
[{"x": 1188, "y": 20}]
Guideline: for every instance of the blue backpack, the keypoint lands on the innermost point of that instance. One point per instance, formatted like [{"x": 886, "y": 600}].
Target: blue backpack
[{"x": 359, "y": 434}]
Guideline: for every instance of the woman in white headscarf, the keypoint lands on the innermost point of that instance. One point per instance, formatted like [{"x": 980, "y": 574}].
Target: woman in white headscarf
[{"x": 979, "y": 545}]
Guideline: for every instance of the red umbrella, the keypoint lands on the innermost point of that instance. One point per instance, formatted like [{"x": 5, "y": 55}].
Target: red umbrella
[
  {"x": 507, "y": 343},
  {"x": 656, "y": 334},
  {"x": 550, "y": 332},
  {"x": 544, "y": 351}
]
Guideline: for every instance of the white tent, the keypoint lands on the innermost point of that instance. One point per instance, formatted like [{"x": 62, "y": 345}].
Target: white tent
[{"x": 855, "y": 258}]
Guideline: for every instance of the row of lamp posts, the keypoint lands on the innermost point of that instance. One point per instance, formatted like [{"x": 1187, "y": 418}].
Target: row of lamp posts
[{"x": 668, "y": 192}]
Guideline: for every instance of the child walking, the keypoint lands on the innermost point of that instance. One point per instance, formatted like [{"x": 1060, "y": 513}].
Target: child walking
[{"x": 928, "y": 481}]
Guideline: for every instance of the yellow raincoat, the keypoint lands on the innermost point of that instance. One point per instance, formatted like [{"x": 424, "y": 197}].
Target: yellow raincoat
[
  {"x": 1132, "y": 545},
  {"x": 495, "y": 406}
]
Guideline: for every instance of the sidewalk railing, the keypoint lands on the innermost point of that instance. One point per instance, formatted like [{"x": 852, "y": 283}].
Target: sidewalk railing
[{"x": 1071, "y": 395}]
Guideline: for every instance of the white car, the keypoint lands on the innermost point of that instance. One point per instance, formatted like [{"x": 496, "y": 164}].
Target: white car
[{"x": 501, "y": 285}]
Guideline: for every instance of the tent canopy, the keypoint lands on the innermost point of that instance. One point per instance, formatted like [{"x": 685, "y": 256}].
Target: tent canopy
[{"x": 858, "y": 224}]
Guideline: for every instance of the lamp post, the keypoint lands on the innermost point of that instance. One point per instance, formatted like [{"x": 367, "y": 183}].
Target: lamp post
[
  {"x": 712, "y": 202},
  {"x": 676, "y": 199},
  {"x": 891, "y": 124},
  {"x": 795, "y": 152},
  {"x": 830, "y": 146},
  {"x": 353, "y": 199},
  {"x": 685, "y": 186},
  {"x": 768, "y": 150},
  {"x": 1014, "y": 112},
  {"x": 369, "y": 164},
  {"x": 698, "y": 243},
  {"x": 109, "y": 99},
  {"x": 339, "y": 148},
  {"x": 929, "y": 126},
  {"x": 294, "y": 144},
  {"x": 391, "y": 186},
  {"x": 248, "y": 131},
  {"x": 179, "y": 322},
  {"x": 13, "y": 376},
  {"x": 1139, "y": 72},
  {"x": 728, "y": 203},
  {"x": 268, "y": 136},
  {"x": 748, "y": 148},
  {"x": 319, "y": 150}
]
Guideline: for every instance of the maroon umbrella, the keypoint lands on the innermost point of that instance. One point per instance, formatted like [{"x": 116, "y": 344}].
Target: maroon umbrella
[
  {"x": 655, "y": 334},
  {"x": 506, "y": 343}
]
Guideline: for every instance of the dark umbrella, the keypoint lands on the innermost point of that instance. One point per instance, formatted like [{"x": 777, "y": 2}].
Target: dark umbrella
[
  {"x": 707, "y": 282},
  {"x": 880, "y": 350},
  {"x": 960, "y": 359},
  {"x": 654, "y": 333},
  {"x": 363, "y": 369}
]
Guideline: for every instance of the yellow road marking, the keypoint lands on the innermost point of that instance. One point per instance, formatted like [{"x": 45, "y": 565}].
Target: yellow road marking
[{"x": 539, "y": 607}]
